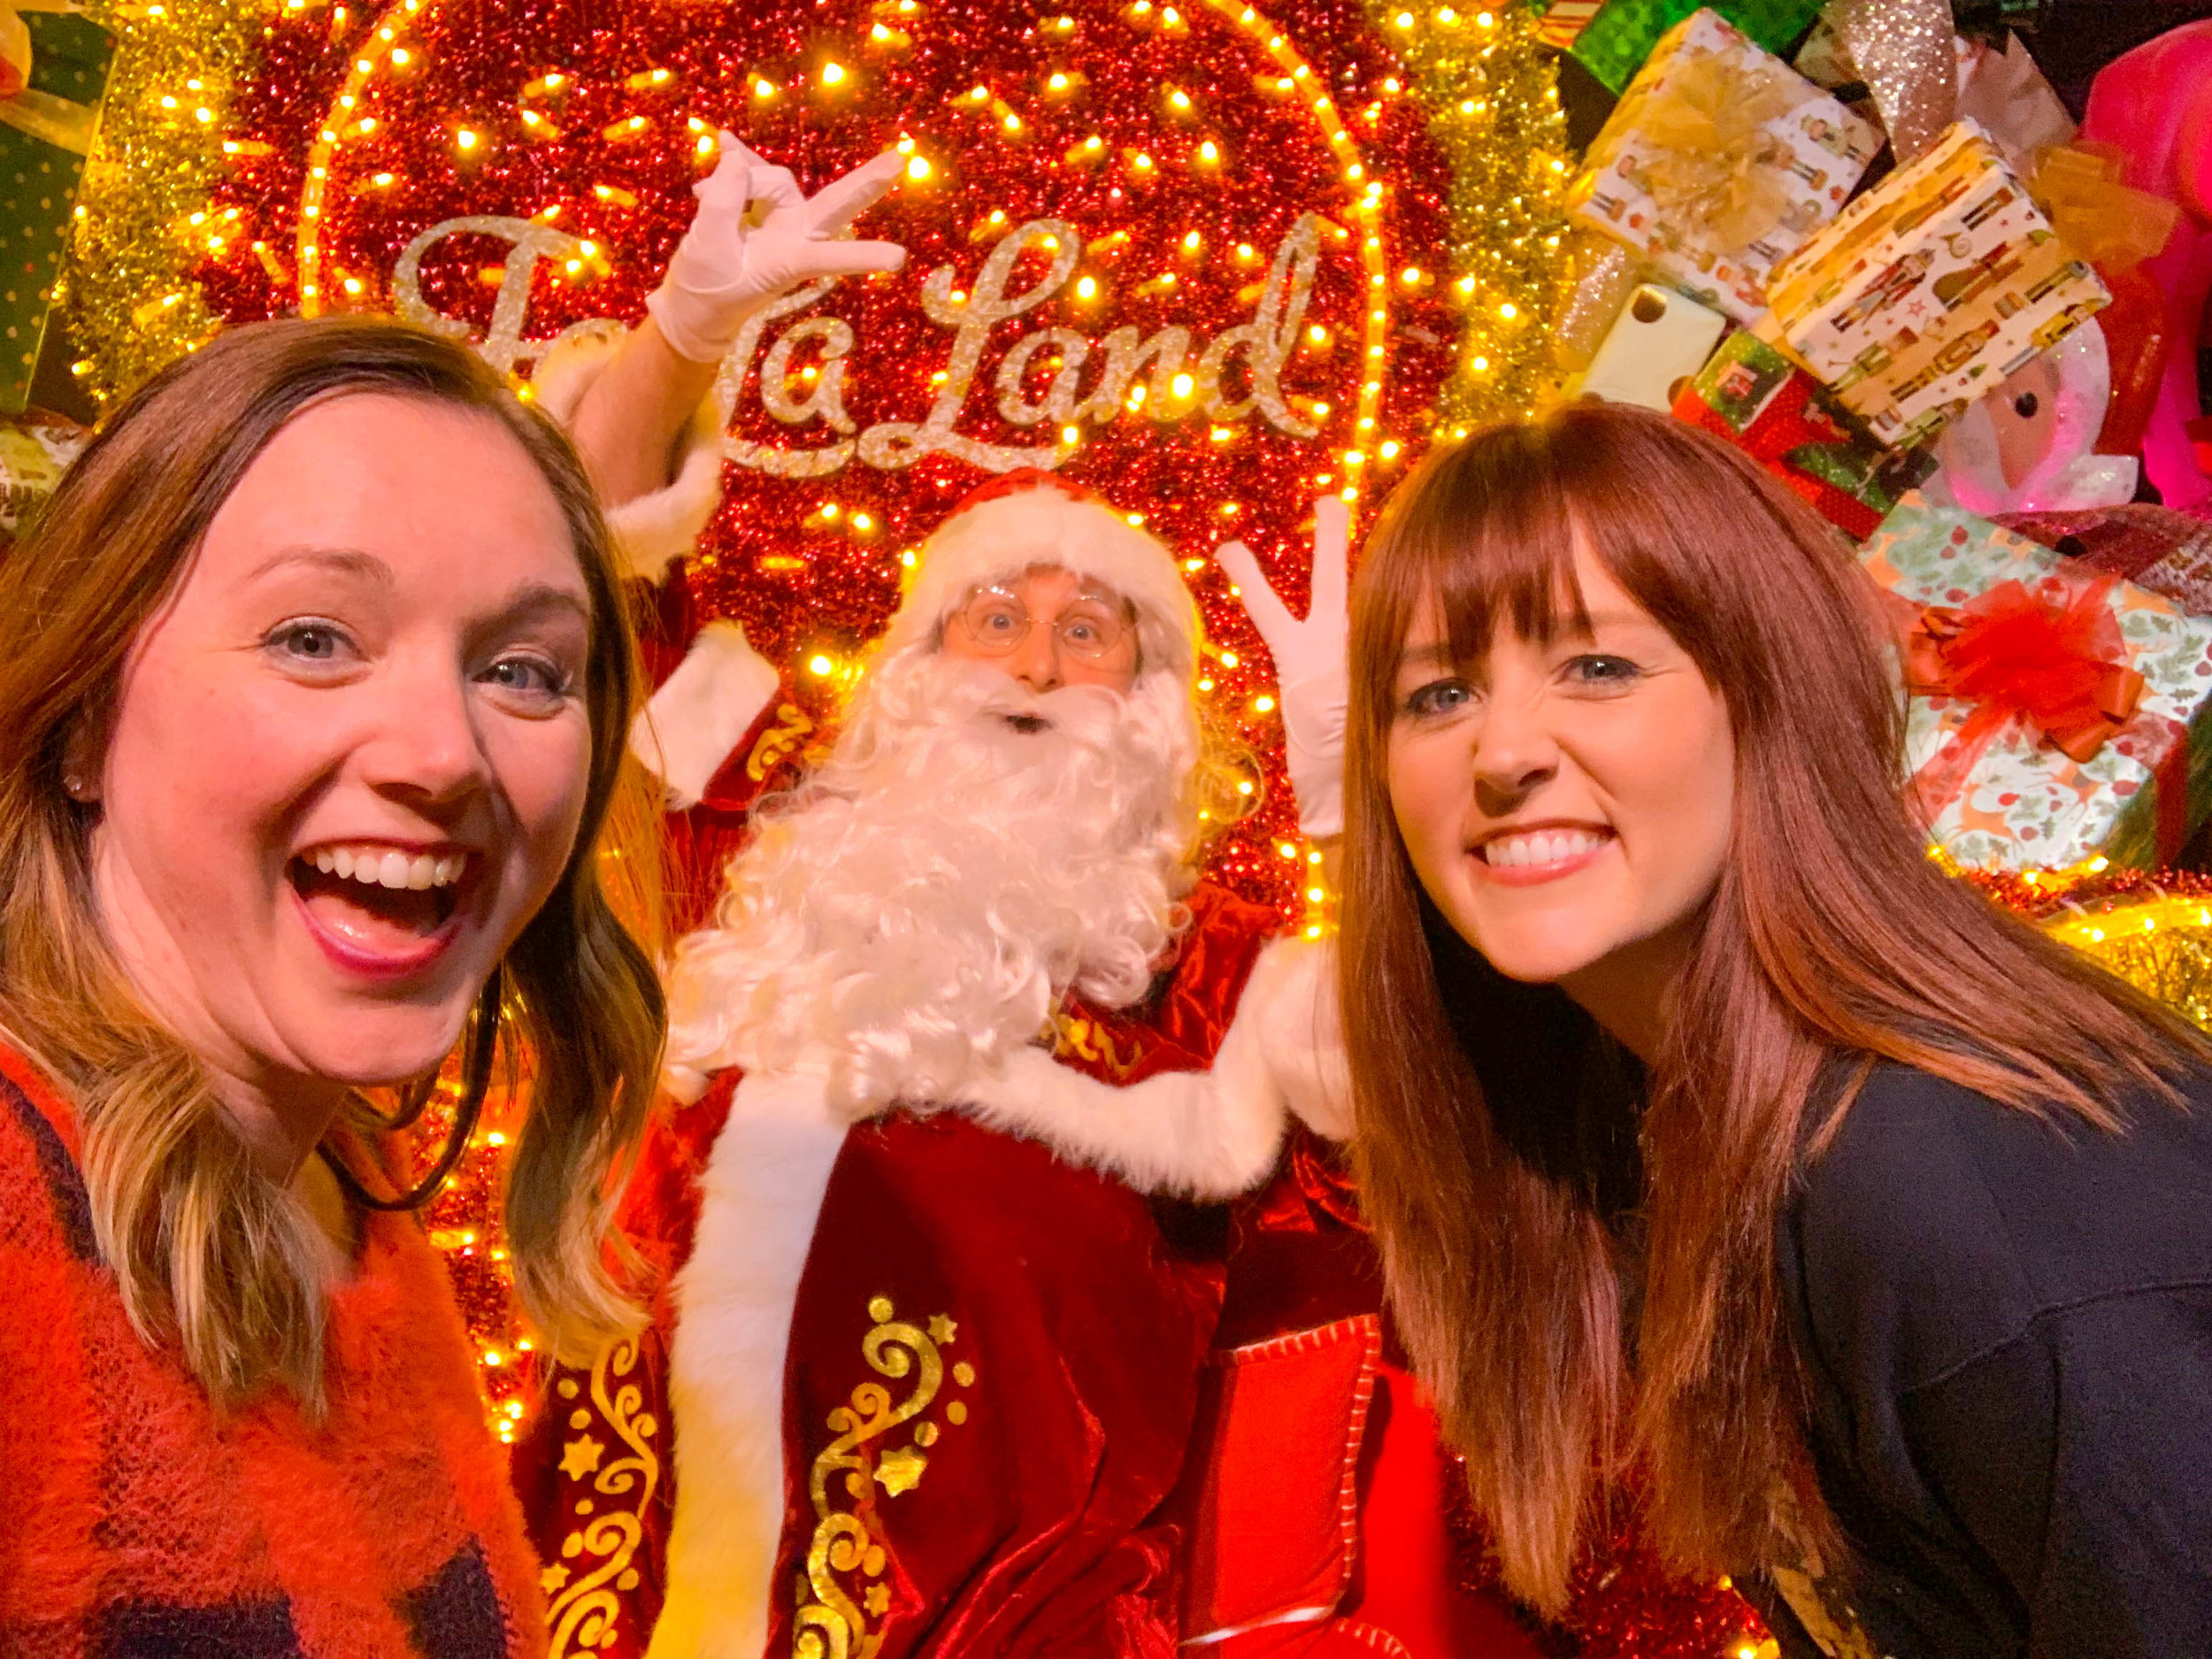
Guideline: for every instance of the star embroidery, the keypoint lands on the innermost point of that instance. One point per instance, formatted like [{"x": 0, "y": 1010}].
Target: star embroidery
[
  {"x": 580, "y": 1457},
  {"x": 552, "y": 1578},
  {"x": 942, "y": 1329},
  {"x": 900, "y": 1471},
  {"x": 879, "y": 1600}
]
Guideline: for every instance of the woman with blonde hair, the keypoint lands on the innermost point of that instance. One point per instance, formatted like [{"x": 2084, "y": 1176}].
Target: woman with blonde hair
[
  {"x": 1725, "y": 1155},
  {"x": 313, "y": 682}
]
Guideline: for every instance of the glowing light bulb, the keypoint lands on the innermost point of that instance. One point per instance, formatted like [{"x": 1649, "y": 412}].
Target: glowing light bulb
[
  {"x": 819, "y": 665},
  {"x": 917, "y": 168}
]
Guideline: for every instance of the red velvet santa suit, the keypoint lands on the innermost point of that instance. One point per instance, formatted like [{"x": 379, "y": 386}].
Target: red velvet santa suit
[{"x": 969, "y": 1392}]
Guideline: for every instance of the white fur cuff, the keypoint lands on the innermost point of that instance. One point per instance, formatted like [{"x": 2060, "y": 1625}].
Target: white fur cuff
[
  {"x": 651, "y": 530},
  {"x": 1204, "y": 1134},
  {"x": 702, "y": 711}
]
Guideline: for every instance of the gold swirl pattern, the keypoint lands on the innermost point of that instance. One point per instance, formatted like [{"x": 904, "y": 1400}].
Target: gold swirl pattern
[
  {"x": 585, "y": 1611},
  {"x": 790, "y": 731},
  {"x": 846, "y": 1559},
  {"x": 1073, "y": 1034}
]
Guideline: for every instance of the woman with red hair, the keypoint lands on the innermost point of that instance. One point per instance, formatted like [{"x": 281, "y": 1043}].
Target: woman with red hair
[{"x": 1721, "y": 1149}]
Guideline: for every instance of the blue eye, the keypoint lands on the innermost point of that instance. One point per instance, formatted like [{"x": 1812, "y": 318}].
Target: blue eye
[
  {"x": 530, "y": 675},
  {"x": 1603, "y": 671},
  {"x": 308, "y": 640},
  {"x": 1439, "y": 696}
]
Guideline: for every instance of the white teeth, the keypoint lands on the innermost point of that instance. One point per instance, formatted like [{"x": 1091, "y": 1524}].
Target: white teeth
[
  {"x": 1538, "y": 847},
  {"x": 377, "y": 866}
]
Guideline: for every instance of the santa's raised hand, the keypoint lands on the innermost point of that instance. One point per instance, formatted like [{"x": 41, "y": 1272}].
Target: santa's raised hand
[
  {"x": 1311, "y": 668},
  {"x": 727, "y": 268}
]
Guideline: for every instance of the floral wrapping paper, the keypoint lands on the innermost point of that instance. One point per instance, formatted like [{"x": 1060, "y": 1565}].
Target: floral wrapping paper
[
  {"x": 1718, "y": 162},
  {"x": 2024, "y": 804},
  {"x": 1930, "y": 289}
]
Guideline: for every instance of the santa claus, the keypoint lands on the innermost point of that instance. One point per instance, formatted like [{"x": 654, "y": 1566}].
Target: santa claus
[{"x": 952, "y": 1365}]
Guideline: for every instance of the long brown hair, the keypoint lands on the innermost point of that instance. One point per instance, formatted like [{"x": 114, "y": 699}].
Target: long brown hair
[
  {"x": 206, "y": 1250},
  {"x": 1830, "y": 941}
]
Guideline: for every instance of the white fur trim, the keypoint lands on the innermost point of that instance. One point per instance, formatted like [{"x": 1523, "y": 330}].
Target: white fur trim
[
  {"x": 1043, "y": 525},
  {"x": 650, "y": 530},
  {"x": 702, "y": 712},
  {"x": 1205, "y": 1134},
  {"x": 759, "y": 1200}
]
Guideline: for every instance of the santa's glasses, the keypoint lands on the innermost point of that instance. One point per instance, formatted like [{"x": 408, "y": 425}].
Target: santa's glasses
[{"x": 1091, "y": 626}]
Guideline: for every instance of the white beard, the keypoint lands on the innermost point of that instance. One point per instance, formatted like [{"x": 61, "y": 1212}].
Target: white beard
[{"x": 904, "y": 918}]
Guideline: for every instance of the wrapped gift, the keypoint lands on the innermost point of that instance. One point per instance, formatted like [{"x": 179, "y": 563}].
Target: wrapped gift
[
  {"x": 1624, "y": 34},
  {"x": 1563, "y": 20},
  {"x": 1657, "y": 343},
  {"x": 2058, "y": 712},
  {"x": 1719, "y": 161},
  {"x": 2153, "y": 546},
  {"x": 1930, "y": 289},
  {"x": 46, "y": 128},
  {"x": 35, "y": 449},
  {"x": 1764, "y": 405}
]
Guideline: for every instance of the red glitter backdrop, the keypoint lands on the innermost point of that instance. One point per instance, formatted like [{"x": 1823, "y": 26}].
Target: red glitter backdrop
[{"x": 1189, "y": 152}]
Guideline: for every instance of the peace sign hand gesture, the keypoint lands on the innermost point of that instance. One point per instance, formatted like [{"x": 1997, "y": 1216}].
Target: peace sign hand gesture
[
  {"x": 725, "y": 270},
  {"x": 1311, "y": 669}
]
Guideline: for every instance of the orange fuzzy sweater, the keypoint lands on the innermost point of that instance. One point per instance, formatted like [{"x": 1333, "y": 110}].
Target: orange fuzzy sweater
[{"x": 135, "y": 1521}]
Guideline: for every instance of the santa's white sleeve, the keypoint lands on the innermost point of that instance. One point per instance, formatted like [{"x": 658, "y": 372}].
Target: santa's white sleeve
[
  {"x": 651, "y": 530},
  {"x": 702, "y": 710},
  {"x": 1203, "y": 1134}
]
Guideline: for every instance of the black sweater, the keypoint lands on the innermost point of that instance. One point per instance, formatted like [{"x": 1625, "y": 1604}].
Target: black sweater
[{"x": 2008, "y": 1329}]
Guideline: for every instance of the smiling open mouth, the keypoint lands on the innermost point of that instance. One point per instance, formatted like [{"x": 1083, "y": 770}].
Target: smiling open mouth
[
  {"x": 1030, "y": 723},
  {"x": 378, "y": 900}
]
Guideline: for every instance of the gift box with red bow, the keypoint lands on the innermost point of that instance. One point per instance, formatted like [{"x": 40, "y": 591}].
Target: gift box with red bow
[{"x": 2057, "y": 713}]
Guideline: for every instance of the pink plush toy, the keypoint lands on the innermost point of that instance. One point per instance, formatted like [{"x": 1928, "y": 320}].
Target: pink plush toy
[{"x": 2155, "y": 105}]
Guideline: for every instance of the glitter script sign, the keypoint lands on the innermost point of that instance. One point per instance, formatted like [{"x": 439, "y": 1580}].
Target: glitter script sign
[{"x": 1260, "y": 346}]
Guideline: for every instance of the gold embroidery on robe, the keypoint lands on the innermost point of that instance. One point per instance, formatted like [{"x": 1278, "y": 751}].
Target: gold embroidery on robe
[
  {"x": 790, "y": 729},
  {"x": 585, "y": 1611},
  {"x": 846, "y": 1560},
  {"x": 1086, "y": 1038}
]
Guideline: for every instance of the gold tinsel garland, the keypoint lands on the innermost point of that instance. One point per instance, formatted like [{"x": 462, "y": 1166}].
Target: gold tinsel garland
[
  {"x": 1492, "y": 93},
  {"x": 143, "y": 219},
  {"x": 2152, "y": 929}
]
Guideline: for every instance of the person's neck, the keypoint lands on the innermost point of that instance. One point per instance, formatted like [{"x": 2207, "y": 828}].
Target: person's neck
[
  {"x": 279, "y": 1115},
  {"x": 1631, "y": 991},
  {"x": 278, "y": 1126}
]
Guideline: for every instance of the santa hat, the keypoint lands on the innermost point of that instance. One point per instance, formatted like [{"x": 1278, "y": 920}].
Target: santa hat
[{"x": 1034, "y": 518}]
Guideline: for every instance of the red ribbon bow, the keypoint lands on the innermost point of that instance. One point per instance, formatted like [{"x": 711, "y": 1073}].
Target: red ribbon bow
[{"x": 2061, "y": 667}]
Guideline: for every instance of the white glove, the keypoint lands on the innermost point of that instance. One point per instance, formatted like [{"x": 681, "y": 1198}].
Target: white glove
[
  {"x": 725, "y": 271},
  {"x": 1312, "y": 671}
]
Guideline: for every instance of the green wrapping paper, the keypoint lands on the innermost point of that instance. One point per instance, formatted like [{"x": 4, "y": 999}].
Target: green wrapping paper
[
  {"x": 1614, "y": 44},
  {"x": 44, "y": 133}
]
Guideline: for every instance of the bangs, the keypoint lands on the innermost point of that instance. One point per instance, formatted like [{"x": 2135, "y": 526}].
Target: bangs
[
  {"x": 1486, "y": 536},
  {"x": 1486, "y": 531}
]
